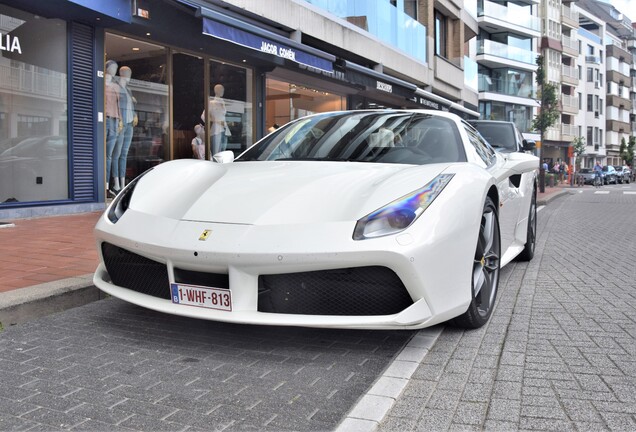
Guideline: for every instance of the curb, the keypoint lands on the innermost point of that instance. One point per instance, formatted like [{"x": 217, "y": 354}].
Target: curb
[
  {"x": 24, "y": 304},
  {"x": 374, "y": 406},
  {"x": 552, "y": 197}
]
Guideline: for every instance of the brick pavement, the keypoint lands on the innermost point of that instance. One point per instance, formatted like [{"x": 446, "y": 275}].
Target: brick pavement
[{"x": 559, "y": 351}]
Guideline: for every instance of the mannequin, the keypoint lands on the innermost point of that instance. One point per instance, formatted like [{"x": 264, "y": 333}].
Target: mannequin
[
  {"x": 113, "y": 116},
  {"x": 219, "y": 129},
  {"x": 198, "y": 146},
  {"x": 129, "y": 121}
]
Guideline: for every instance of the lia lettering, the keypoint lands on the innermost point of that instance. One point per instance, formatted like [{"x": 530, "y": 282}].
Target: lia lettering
[{"x": 10, "y": 43}]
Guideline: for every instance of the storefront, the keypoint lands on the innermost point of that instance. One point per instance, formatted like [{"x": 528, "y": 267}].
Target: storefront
[{"x": 101, "y": 91}]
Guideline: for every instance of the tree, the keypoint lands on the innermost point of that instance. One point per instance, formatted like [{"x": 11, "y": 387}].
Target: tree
[
  {"x": 578, "y": 145},
  {"x": 627, "y": 150},
  {"x": 548, "y": 112}
]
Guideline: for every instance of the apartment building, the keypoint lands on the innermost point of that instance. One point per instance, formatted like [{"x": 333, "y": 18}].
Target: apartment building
[
  {"x": 560, "y": 50},
  {"x": 619, "y": 71},
  {"x": 592, "y": 89},
  {"x": 506, "y": 54}
]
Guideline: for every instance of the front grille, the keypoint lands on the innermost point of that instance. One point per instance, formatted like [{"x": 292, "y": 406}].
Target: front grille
[
  {"x": 360, "y": 291},
  {"x": 132, "y": 271}
]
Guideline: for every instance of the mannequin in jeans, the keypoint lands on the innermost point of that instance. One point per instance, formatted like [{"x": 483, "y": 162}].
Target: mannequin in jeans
[
  {"x": 113, "y": 115},
  {"x": 219, "y": 129},
  {"x": 129, "y": 121}
]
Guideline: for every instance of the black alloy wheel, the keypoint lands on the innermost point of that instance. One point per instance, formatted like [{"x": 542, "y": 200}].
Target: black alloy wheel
[
  {"x": 485, "y": 271},
  {"x": 531, "y": 237}
]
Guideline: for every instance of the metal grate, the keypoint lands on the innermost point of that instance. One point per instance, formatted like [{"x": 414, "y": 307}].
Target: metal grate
[
  {"x": 353, "y": 291},
  {"x": 132, "y": 271}
]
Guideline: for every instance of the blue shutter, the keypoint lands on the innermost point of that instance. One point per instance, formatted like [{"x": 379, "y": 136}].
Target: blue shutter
[{"x": 82, "y": 136}]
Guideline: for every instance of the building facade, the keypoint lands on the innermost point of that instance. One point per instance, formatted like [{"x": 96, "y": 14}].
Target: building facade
[
  {"x": 506, "y": 51},
  {"x": 96, "y": 91}
]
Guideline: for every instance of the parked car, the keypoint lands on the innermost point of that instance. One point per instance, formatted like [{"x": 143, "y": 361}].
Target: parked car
[
  {"x": 622, "y": 175},
  {"x": 587, "y": 174},
  {"x": 360, "y": 219},
  {"x": 609, "y": 175},
  {"x": 627, "y": 173},
  {"x": 503, "y": 136}
]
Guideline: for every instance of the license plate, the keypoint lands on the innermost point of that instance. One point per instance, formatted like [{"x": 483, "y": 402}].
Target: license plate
[{"x": 205, "y": 297}]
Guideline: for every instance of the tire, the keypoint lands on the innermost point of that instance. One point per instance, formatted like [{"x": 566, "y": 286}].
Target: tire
[
  {"x": 485, "y": 271},
  {"x": 531, "y": 240}
]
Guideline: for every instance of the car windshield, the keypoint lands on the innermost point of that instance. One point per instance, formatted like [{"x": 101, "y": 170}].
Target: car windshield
[
  {"x": 499, "y": 135},
  {"x": 363, "y": 136},
  {"x": 618, "y": 168}
]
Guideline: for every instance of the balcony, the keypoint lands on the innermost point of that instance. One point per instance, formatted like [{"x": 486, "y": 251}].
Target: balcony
[
  {"x": 569, "y": 17},
  {"x": 382, "y": 20},
  {"x": 593, "y": 59},
  {"x": 619, "y": 102},
  {"x": 449, "y": 72},
  {"x": 569, "y": 104},
  {"x": 508, "y": 86},
  {"x": 505, "y": 53},
  {"x": 569, "y": 131},
  {"x": 569, "y": 75},
  {"x": 504, "y": 18},
  {"x": 570, "y": 46}
]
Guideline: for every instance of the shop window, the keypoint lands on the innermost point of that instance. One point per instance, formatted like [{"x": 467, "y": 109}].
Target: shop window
[
  {"x": 230, "y": 107},
  {"x": 135, "y": 71},
  {"x": 33, "y": 97},
  {"x": 188, "y": 101},
  {"x": 287, "y": 101}
]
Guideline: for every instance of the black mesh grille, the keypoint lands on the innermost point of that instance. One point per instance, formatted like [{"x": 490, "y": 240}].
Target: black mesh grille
[
  {"x": 132, "y": 271},
  {"x": 353, "y": 291}
]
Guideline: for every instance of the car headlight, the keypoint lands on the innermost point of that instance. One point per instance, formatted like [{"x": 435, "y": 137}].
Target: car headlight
[
  {"x": 401, "y": 213},
  {"x": 121, "y": 202}
]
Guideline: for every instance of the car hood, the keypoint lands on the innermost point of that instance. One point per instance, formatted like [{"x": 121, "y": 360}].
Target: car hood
[{"x": 266, "y": 193}]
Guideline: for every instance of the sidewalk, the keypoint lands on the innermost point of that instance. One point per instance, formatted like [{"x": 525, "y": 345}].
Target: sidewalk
[{"x": 53, "y": 255}]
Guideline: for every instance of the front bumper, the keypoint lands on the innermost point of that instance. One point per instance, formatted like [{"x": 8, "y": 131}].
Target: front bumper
[{"x": 437, "y": 289}]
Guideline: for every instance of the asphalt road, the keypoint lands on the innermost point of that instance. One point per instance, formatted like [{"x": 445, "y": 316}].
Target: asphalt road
[{"x": 558, "y": 354}]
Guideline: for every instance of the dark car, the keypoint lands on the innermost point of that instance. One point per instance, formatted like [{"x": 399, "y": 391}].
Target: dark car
[
  {"x": 609, "y": 175},
  {"x": 586, "y": 175},
  {"x": 503, "y": 136},
  {"x": 622, "y": 175}
]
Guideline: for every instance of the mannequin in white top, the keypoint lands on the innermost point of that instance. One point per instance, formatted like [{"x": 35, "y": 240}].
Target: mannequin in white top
[
  {"x": 218, "y": 125},
  {"x": 198, "y": 146}
]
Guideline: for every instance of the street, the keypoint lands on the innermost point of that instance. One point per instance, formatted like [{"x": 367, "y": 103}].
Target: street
[{"x": 559, "y": 353}]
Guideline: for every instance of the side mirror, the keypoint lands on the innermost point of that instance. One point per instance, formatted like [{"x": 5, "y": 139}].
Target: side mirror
[
  {"x": 226, "y": 156},
  {"x": 529, "y": 145}
]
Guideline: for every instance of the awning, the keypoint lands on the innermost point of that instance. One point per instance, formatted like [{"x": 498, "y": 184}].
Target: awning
[
  {"x": 372, "y": 80},
  {"x": 430, "y": 100},
  {"x": 230, "y": 29}
]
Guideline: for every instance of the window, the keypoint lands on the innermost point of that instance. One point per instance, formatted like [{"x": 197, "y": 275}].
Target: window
[
  {"x": 600, "y": 138},
  {"x": 440, "y": 35},
  {"x": 590, "y": 74},
  {"x": 600, "y": 106},
  {"x": 410, "y": 8},
  {"x": 590, "y": 50},
  {"x": 580, "y": 68},
  {"x": 596, "y": 102},
  {"x": 590, "y": 103},
  {"x": 33, "y": 100},
  {"x": 580, "y": 101}
]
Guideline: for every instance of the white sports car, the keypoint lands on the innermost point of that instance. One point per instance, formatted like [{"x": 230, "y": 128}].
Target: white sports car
[{"x": 355, "y": 219}]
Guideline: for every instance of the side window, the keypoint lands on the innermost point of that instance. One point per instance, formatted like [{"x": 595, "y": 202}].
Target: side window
[{"x": 483, "y": 149}]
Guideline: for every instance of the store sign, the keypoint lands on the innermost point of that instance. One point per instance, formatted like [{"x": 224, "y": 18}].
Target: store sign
[
  {"x": 10, "y": 43},
  {"x": 382, "y": 86},
  {"x": 253, "y": 41},
  {"x": 428, "y": 103}
]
